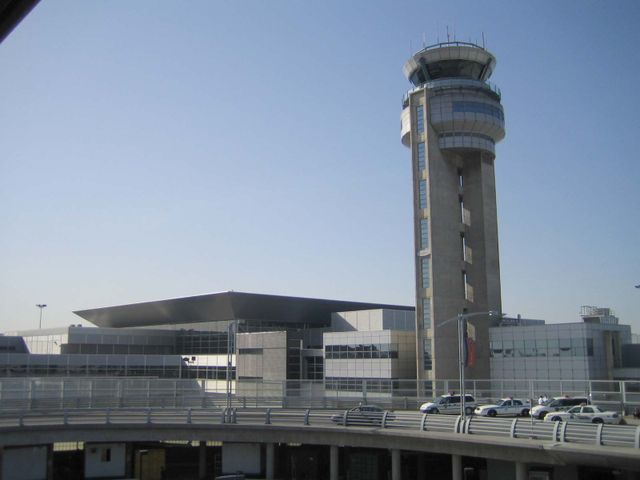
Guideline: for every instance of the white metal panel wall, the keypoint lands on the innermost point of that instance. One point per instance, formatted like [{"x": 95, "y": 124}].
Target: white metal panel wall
[
  {"x": 104, "y": 460},
  {"x": 28, "y": 463},
  {"x": 243, "y": 458}
]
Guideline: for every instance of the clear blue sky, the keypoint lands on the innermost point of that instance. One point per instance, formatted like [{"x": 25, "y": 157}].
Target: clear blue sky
[{"x": 157, "y": 149}]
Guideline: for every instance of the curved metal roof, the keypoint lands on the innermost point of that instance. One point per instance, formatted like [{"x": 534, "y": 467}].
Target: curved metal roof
[{"x": 222, "y": 306}]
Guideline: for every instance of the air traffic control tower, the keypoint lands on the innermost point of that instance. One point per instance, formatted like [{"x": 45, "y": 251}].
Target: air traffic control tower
[{"x": 451, "y": 121}]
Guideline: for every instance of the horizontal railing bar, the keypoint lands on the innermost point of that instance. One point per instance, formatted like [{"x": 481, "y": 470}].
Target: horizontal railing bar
[{"x": 518, "y": 428}]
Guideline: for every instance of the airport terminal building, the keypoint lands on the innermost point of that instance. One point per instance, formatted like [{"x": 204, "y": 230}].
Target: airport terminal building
[
  {"x": 253, "y": 342},
  {"x": 587, "y": 350}
]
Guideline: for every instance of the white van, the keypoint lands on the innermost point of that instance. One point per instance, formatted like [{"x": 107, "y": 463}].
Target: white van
[{"x": 449, "y": 404}]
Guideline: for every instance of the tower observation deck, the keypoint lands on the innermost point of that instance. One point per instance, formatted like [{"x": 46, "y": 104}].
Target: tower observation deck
[{"x": 451, "y": 120}]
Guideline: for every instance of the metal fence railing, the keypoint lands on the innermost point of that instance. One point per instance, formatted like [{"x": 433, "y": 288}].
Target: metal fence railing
[
  {"x": 21, "y": 393},
  {"x": 626, "y": 436}
]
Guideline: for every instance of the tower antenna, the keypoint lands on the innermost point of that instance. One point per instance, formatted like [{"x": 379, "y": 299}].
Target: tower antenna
[
  {"x": 483, "y": 40},
  {"x": 447, "y": 33}
]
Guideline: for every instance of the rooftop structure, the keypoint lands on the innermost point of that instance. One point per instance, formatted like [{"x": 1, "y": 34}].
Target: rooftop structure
[
  {"x": 226, "y": 306},
  {"x": 601, "y": 315}
]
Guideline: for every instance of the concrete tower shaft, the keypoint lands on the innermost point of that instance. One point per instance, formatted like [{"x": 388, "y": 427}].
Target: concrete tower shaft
[{"x": 451, "y": 121}]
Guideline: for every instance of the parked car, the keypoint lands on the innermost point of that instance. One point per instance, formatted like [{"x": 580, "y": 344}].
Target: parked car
[
  {"x": 557, "y": 404},
  {"x": 362, "y": 415},
  {"x": 506, "y": 406},
  {"x": 449, "y": 404},
  {"x": 585, "y": 413}
]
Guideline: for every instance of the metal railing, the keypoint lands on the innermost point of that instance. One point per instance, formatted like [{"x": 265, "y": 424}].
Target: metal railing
[
  {"x": 455, "y": 83},
  {"x": 517, "y": 428},
  {"x": 51, "y": 393}
]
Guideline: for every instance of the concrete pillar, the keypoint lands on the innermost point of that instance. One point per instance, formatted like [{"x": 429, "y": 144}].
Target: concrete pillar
[
  {"x": 456, "y": 467},
  {"x": 50, "y": 461},
  {"x": 202, "y": 460},
  {"x": 333, "y": 461},
  {"x": 128, "y": 461},
  {"x": 422, "y": 470},
  {"x": 521, "y": 471},
  {"x": 271, "y": 456},
  {"x": 396, "y": 464}
]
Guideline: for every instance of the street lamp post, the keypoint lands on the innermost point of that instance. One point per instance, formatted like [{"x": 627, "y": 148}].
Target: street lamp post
[
  {"x": 232, "y": 328},
  {"x": 461, "y": 318},
  {"x": 41, "y": 306}
]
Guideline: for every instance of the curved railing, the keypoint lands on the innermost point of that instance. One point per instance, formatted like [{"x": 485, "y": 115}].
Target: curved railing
[
  {"x": 399, "y": 421},
  {"x": 453, "y": 43},
  {"x": 452, "y": 83}
]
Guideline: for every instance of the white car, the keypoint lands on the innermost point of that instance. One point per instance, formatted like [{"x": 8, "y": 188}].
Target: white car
[
  {"x": 506, "y": 406},
  {"x": 449, "y": 404},
  {"x": 558, "y": 404},
  {"x": 585, "y": 413}
]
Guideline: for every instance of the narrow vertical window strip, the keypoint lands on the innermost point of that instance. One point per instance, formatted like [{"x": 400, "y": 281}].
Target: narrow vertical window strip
[
  {"x": 465, "y": 285},
  {"x": 463, "y": 244},
  {"x": 423, "y": 193},
  {"x": 426, "y": 273},
  {"x": 424, "y": 233},
  {"x": 421, "y": 164},
  {"x": 428, "y": 364},
  {"x": 426, "y": 313},
  {"x": 420, "y": 119}
]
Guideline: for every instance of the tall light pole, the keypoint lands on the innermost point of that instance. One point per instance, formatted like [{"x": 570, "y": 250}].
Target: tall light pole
[
  {"x": 41, "y": 306},
  {"x": 232, "y": 328},
  {"x": 461, "y": 318}
]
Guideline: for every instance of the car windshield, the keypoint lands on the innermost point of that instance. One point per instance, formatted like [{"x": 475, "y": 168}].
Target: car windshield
[
  {"x": 371, "y": 408},
  {"x": 367, "y": 408},
  {"x": 440, "y": 399}
]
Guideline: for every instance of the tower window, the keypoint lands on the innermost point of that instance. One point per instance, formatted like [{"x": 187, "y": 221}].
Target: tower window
[
  {"x": 421, "y": 164},
  {"x": 427, "y": 361},
  {"x": 420, "y": 119},
  {"x": 462, "y": 214},
  {"x": 463, "y": 246},
  {"x": 426, "y": 273},
  {"x": 424, "y": 233},
  {"x": 426, "y": 313},
  {"x": 422, "y": 194},
  {"x": 478, "y": 107},
  {"x": 465, "y": 285}
]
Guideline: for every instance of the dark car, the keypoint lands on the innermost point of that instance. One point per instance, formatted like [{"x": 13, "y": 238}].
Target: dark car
[{"x": 363, "y": 415}]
